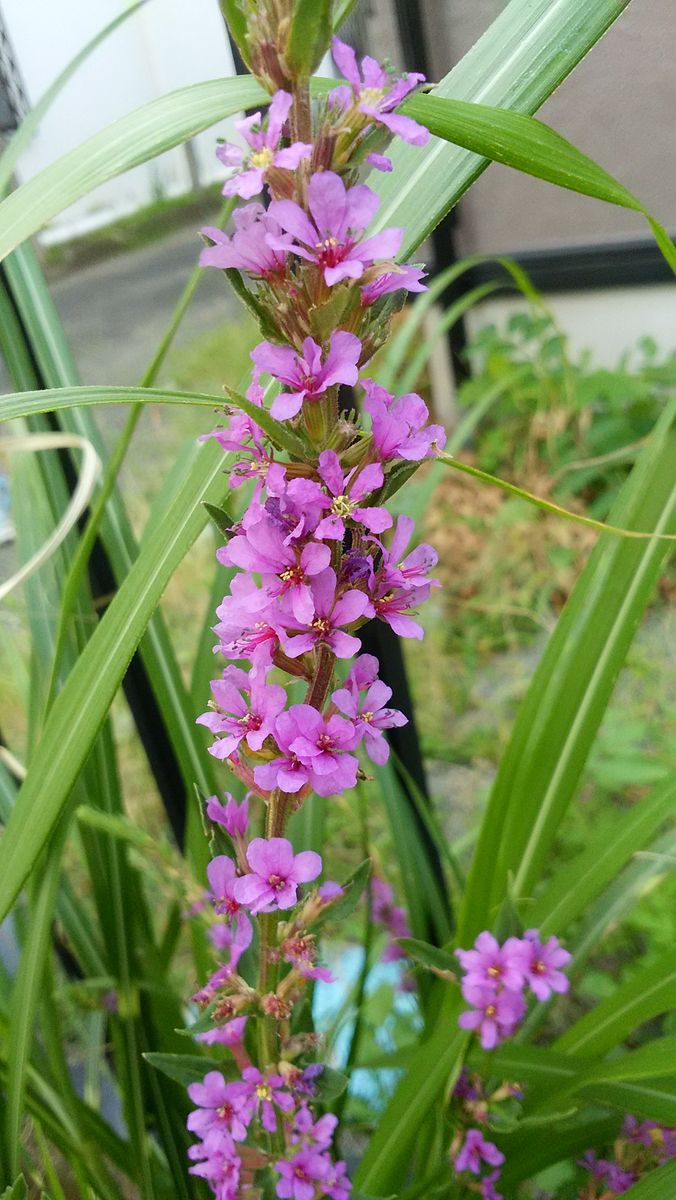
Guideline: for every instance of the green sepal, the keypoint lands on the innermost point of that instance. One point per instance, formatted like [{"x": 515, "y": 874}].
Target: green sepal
[{"x": 310, "y": 36}]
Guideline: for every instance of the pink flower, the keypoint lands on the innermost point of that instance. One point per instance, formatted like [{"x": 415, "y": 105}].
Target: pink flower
[
  {"x": 329, "y": 891},
  {"x": 337, "y": 1184},
  {"x": 263, "y": 151},
  {"x": 488, "y": 1190},
  {"x": 494, "y": 1015},
  {"x": 370, "y": 716},
  {"x": 220, "y": 1104},
  {"x": 346, "y": 493},
  {"x": 222, "y": 876},
  {"x": 248, "y": 249},
  {"x": 266, "y": 1091},
  {"x": 321, "y": 745},
  {"x": 395, "y": 279},
  {"x": 246, "y": 708},
  {"x": 305, "y": 374},
  {"x": 286, "y": 569},
  {"x": 313, "y": 751},
  {"x": 221, "y": 1167},
  {"x": 232, "y": 816},
  {"x": 475, "y": 1151},
  {"x": 540, "y": 963},
  {"x": 230, "y": 1034},
  {"x": 332, "y": 238},
  {"x": 276, "y": 874},
  {"x": 244, "y": 630},
  {"x": 298, "y": 1176},
  {"x": 399, "y": 426},
  {"x": 491, "y": 965},
  {"x": 375, "y": 94},
  {"x": 331, "y": 613}
]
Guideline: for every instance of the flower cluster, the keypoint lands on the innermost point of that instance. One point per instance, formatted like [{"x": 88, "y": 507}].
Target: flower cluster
[
  {"x": 496, "y": 977},
  {"x": 641, "y": 1147},
  {"x": 474, "y": 1153}
]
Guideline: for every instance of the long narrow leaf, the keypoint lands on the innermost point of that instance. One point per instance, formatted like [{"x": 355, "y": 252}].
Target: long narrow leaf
[
  {"x": 521, "y": 141},
  {"x": 131, "y": 140}
]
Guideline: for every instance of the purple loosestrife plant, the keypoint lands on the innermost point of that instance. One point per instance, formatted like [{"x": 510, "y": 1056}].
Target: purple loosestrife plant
[{"x": 315, "y": 557}]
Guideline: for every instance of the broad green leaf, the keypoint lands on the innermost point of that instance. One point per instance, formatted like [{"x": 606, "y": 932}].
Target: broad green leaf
[
  {"x": 83, "y": 702},
  {"x": 131, "y": 140},
  {"x": 570, "y": 689},
  {"x": 183, "y": 1068},
  {"x": 651, "y": 991},
  {"x": 520, "y": 141},
  {"x": 573, "y": 887},
  {"x": 330, "y": 1085},
  {"x": 21, "y": 139}
]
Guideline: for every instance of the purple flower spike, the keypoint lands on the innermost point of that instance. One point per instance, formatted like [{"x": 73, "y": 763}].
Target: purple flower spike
[
  {"x": 375, "y": 94},
  {"x": 305, "y": 375},
  {"x": 475, "y": 1151},
  {"x": 262, "y": 151},
  {"x": 332, "y": 238},
  {"x": 276, "y": 874},
  {"x": 246, "y": 711}
]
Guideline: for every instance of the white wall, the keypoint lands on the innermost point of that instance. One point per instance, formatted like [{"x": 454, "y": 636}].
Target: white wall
[{"x": 168, "y": 44}]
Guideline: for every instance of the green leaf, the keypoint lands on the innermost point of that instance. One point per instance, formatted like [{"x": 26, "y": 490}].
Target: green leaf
[
  {"x": 23, "y": 136},
  {"x": 353, "y": 888},
  {"x": 235, "y": 18},
  {"x": 16, "y": 1191},
  {"x": 27, "y": 404},
  {"x": 131, "y": 140},
  {"x": 279, "y": 433},
  {"x": 576, "y": 884},
  {"x": 651, "y": 991},
  {"x": 330, "y": 1085},
  {"x": 429, "y": 956},
  {"x": 570, "y": 689},
  {"x": 83, "y": 702},
  {"x": 520, "y": 141},
  {"x": 184, "y": 1068},
  {"x": 437, "y": 1065},
  {"x": 310, "y": 35},
  {"x": 518, "y": 62}
]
